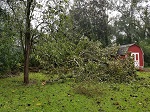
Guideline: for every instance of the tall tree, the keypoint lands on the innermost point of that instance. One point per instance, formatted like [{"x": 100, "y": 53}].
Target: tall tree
[
  {"x": 143, "y": 24},
  {"x": 91, "y": 20},
  {"x": 130, "y": 27},
  {"x": 125, "y": 26}
]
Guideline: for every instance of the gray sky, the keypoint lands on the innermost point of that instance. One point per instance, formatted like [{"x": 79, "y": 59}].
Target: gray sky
[{"x": 111, "y": 14}]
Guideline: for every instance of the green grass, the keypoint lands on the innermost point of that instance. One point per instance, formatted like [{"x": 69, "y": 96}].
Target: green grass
[
  {"x": 74, "y": 97},
  {"x": 14, "y": 96}
]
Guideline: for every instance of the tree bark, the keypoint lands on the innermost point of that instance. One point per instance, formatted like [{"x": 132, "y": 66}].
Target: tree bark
[
  {"x": 26, "y": 62},
  {"x": 27, "y": 42}
]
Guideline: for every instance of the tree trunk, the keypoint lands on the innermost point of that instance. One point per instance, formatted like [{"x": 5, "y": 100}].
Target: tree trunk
[
  {"x": 26, "y": 59},
  {"x": 27, "y": 43}
]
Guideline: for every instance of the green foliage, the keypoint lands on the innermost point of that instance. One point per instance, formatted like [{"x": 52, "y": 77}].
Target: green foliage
[
  {"x": 102, "y": 64},
  {"x": 64, "y": 48},
  {"x": 87, "y": 60},
  {"x": 10, "y": 56},
  {"x": 54, "y": 53},
  {"x": 128, "y": 28},
  {"x": 34, "y": 62},
  {"x": 90, "y": 19},
  {"x": 145, "y": 47},
  {"x": 121, "y": 70},
  {"x": 10, "y": 52}
]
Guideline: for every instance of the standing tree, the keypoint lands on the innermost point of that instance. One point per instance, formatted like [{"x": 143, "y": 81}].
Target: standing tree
[
  {"x": 125, "y": 27},
  {"x": 20, "y": 11},
  {"x": 132, "y": 25},
  {"x": 26, "y": 12},
  {"x": 91, "y": 19}
]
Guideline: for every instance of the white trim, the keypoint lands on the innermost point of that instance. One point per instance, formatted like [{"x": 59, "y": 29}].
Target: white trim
[{"x": 136, "y": 59}]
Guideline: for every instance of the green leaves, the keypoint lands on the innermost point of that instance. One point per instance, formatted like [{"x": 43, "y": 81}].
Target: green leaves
[
  {"x": 86, "y": 60},
  {"x": 10, "y": 54},
  {"x": 90, "y": 19}
]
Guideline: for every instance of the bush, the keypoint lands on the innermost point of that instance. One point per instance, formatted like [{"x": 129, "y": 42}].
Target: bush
[
  {"x": 10, "y": 56},
  {"x": 10, "y": 51}
]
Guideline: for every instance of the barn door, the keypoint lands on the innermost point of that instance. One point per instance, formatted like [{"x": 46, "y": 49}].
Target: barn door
[{"x": 136, "y": 59}]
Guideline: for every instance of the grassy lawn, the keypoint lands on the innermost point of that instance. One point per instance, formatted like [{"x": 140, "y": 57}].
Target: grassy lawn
[{"x": 74, "y": 97}]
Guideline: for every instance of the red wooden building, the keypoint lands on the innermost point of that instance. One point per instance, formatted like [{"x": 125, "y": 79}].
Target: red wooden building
[{"x": 135, "y": 51}]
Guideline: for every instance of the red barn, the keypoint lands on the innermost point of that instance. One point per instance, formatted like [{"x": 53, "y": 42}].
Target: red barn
[{"x": 135, "y": 51}]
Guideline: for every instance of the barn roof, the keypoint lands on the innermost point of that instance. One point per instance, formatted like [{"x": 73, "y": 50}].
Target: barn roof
[{"x": 123, "y": 49}]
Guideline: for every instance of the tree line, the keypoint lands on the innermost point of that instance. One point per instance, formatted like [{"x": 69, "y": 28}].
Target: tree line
[{"x": 49, "y": 34}]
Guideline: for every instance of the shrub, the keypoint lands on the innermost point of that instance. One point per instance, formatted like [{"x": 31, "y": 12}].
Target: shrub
[{"x": 10, "y": 56}]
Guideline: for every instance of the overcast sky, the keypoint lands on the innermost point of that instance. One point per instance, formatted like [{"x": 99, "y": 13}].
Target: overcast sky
[{"x": 111, "y": 14}]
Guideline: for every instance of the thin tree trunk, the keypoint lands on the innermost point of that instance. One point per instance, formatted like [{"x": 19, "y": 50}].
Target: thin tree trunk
[{"x": 27, "y": 43}]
